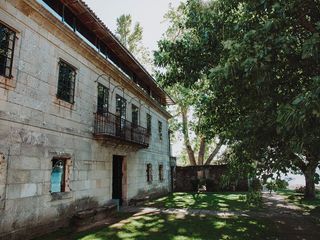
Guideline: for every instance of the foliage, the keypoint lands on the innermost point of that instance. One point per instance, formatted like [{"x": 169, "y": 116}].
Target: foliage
[
  {"x": 131, "y": 37},
  {"x": 281, "y": 183},
  {"x": 254, "y": 198},
  {"x": 257, "y": 63},
  {"x": 256, "y": 185},
  {"x": 199, "y": 149},
  {"x": 300, "y": 189},
  {"x": 272, "y": 186}
]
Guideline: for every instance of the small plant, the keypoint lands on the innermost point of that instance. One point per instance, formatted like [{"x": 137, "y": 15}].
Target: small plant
[
  {"x": 254, "y": 198},
  {"x": 300, "y": 189},
  {"x": 272, "y": 186}
]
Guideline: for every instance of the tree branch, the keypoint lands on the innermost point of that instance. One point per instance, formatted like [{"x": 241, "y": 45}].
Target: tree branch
[
  {"x": 202, "y": 150},
  {"x": 185, "y": 131},
  {"x": 214, "y": 152}
]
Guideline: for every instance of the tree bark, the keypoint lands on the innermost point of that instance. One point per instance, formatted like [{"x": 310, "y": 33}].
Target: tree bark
[
  {"x": 214, "y": 152},
  {"x": 202, "y": 150},
  {"x": 185, "y": 131},
  {"x": 309, "y": 174}
]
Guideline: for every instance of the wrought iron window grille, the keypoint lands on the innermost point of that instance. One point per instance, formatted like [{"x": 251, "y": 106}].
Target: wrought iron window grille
[
  {"x": 7, "y": 42},
  {"x": 66, "y": 82}
]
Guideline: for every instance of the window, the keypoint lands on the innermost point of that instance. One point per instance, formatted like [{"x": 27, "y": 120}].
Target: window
[
  {"x": 149, "y": 172},
  {"x": 7, "y": 39},
  {"x": 121, "y": 104},
  {"x": 135, "y": 115},
  {"x": 60, "y": 175},
  {"x": 103, "y": 99},
  {"x": 160, "y": 129},
  {"x": 66, "y": 82},
  {"x": 161, "y": 172},
  {"x": 149, "y": 124}
]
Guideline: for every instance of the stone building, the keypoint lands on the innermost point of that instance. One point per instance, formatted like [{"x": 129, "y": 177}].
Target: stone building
[{"x": 81, "y": 121}]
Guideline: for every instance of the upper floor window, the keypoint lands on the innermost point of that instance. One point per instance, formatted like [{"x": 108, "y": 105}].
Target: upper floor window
[
  {"x": 7, "y": 39},
  {"x": 160, "y": 129},
  {"x": 148, "y": 123},
  {"x": 135, "y": 115},
  {"x": 103, "y": 99},
  {"x": 66, "y": 82},
  {"x": 121, "y": 105}
]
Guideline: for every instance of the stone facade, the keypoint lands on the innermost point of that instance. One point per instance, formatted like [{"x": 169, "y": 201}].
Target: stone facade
[{"x": 35, "y": 127}]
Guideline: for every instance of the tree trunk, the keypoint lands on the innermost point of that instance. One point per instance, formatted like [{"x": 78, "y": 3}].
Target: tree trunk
[
  {"x": 185, "y": 131},
  {"x": 309, "y": 174},
  {"x": 202, "y": 150},
  {"x": 214, "y": 152}
]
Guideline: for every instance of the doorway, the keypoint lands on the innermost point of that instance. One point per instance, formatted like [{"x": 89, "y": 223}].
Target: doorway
[{"x": 117, "y": 178}]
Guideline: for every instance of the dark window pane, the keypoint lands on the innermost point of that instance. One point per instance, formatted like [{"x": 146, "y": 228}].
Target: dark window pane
[
  {"x": 135, "y": 115},
  {"x": 7, "y": 38},
  {"x": 103, "y": 99},
  {"x": 66, "y": 82},
  {"x": 160, "y": 129},
  {"x": 149, "y": 123}
]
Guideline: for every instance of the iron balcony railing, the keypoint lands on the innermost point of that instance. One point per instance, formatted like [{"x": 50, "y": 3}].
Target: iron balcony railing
[{"x": 110, "y": 125}]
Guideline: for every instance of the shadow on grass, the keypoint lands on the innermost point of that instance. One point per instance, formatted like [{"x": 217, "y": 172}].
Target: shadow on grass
[
  {"x": 181, "y": 227},
  {"x": 229, "y": 201}
]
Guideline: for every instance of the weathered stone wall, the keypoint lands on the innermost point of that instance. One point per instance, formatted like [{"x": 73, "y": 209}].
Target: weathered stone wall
[
  {"x": 35, "y": 127},
  {"x": 187, "y": 179}
]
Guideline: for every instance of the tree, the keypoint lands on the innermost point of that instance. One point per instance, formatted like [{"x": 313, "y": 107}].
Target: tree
[
  {"x": 131, "y": 37},
  {"x": 258, "y": 63},
  {"x": 199, "y": 149}
]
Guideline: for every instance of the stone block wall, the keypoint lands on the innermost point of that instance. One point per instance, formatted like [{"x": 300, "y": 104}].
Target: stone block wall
[
  {"x": 35, "y": 127},
  {"x": 187, "y": 179}
]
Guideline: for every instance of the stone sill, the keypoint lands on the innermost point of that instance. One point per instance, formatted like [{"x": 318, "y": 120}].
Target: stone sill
[{"x": 61, "y": 196}]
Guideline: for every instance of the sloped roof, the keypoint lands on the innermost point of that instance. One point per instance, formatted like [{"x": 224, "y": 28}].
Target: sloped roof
[{"x": 83, "y": 12}]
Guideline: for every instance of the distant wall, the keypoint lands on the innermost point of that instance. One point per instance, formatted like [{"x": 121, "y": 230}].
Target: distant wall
[{"x": 187, "y": 178}]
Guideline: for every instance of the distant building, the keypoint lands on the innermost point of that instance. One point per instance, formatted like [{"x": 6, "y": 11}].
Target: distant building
[{"x": 81, "y": 121}]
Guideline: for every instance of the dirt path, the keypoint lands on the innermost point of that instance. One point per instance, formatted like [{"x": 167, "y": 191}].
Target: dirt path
[{"x": 292, "y": 222}]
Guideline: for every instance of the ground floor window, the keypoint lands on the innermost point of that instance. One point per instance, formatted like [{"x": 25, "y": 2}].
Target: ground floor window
[
  {"x": 161, "y": 178},
  {"x": 149, "y": 172},
  {"x": 60, "y": 175}
]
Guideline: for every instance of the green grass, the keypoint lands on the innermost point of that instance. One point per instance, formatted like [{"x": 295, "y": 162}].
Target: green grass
[
  {"x": 228, "y": 201},
  {"x": 312, "y": 206},
  {"x": 158, "y": 226}
]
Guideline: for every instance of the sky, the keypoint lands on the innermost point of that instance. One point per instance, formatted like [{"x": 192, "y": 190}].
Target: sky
[{"x": 149, "y": 13}]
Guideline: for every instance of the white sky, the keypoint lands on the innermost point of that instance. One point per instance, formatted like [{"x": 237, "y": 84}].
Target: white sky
[{"x": 148, "y": 12}]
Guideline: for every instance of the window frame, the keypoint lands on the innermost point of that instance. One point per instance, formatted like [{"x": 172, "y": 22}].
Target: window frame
[
  {"x": 149, "y": 123},
  {"x": 105, "y": 99},
  {"x": 60, "y": 89},
  {"x": 161, "y": 175},
  {"x": 149, "y": 173},
  {"x": 160, "y": 130},
  {"x": 123, "y": 108},
  {"x": 134, "y": 110},
  {"x": 65, "y": 178},
  {"x": 11, "y": 40}
]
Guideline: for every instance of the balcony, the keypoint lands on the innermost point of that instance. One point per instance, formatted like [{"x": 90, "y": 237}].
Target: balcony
[{"x": 108, "y": 126}]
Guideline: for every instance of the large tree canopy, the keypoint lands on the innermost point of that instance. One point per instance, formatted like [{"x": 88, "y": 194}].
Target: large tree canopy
[{"x": 258, "y": 63}]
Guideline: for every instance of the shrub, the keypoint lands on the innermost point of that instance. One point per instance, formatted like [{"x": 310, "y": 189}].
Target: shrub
[
  {"x": 282, "y": 184},
  {"x": 254, "y": 198},
  {"x": 272, "y": 186},
  {"x": 256, "y": 185},
  {"x": 300, "y": 189}
]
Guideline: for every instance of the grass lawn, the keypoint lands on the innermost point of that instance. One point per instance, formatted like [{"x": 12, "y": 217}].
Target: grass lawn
[
  {"x": 227, "y": 201},
  {"x": 158, "y": 226},
  {"x": 312, "y": 206}
]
